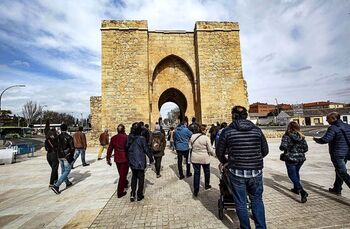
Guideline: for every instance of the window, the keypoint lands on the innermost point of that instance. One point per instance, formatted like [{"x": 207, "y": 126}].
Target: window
[
  {"x": 345, "y": 119},
  {"x": 317, "y": 121}
]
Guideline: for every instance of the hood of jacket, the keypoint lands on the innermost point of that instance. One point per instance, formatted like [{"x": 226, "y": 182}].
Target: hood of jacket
[
  {"x": 180, "y": 127},
  {"x": 243, "y": 124}
]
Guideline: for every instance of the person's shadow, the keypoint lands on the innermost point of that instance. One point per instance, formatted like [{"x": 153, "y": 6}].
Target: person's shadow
[{"x": 209, "y": 199}]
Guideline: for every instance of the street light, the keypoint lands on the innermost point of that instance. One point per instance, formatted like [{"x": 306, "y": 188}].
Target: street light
[
  {"x": 19, "y": 85},
  {"x": 41, "y": 119}
]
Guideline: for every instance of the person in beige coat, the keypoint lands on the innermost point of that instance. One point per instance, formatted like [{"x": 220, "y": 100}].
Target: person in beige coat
[{"x": 200, "y": 157}]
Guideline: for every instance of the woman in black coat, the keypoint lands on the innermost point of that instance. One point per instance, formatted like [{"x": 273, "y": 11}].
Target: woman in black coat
[
  {"x": 137, "y": 149},
  {"x": 51, "y": 155},
  {"x": 294, "y": 146}
]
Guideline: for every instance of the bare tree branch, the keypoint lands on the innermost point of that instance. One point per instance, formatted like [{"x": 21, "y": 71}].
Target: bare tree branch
[{"x": 31, "y": 112}]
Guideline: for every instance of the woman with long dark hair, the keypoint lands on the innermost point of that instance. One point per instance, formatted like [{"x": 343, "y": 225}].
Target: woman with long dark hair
[
  {"x": 294, "y": 147},
  {"x": 51, "y": 156},
  {"x": 118, "y": 145},
  {"x": 137, "y": 149}
]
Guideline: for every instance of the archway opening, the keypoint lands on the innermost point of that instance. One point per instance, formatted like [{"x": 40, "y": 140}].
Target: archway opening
[
  {"x": 170, "y": 112},
  {"x": 176, "y": 97}
]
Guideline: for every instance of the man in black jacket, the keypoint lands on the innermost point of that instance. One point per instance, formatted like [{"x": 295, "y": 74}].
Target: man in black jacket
[
  {"x": 245, "y": 146},
  {"x": 65, "y": 153},
  {"x": 338, "y": 139}
]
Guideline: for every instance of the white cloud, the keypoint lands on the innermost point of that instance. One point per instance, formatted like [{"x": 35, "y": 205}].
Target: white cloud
[{"x": 287, "y": 46}]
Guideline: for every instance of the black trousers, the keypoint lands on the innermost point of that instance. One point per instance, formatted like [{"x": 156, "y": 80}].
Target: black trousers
[
  {"x": 197, "y": 176},
  {"x": 137, "y": 179},
  {"x": 180, "y": 155},
  {"x": 158, "y": 163},
  {"x": 53, "y": 162}
]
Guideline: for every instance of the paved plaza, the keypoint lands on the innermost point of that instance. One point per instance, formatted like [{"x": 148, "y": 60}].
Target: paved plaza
[{"x": 27, "y": 202}]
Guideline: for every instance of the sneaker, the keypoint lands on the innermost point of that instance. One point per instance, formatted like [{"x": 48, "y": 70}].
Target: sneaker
[
  {"x": 304, "y": 196},
  {"x": 99, "y": 159},
  {"x": 335, "y": 192},
  {"x": 139, "y": 198},
  {"x": 189, "y": 175},
  {"x": 68, "y": 184},
  {"x": 55, "y": 189},
  {"x": 296, "y": 191},
  {"x": 208, "y": 187},
  {"x": 195, "y": 194},
  {"x": 50, "y": 185},
  {"x": 159, "y": 175},
  {"x": 182, "y": 177},
  {"x": 86, "y": 164},
  {"x": 132, "y": 198}
]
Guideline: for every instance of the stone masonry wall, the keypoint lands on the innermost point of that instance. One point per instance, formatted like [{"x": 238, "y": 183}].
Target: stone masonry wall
[
  {"x": 96, "y": 118},
  {"x": 220, "y": 70},
  {"x": 139, "y": 65},
  {"x": 125, "y": 95}
]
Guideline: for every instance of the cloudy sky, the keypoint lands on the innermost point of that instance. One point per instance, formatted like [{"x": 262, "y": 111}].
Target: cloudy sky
[{"x": 294, "y": 51}]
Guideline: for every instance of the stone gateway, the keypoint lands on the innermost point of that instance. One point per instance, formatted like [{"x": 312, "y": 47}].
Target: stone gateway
[{"x": 200, "y": 71}]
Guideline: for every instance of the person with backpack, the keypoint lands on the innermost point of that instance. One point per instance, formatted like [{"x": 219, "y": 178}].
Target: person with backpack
[
  {"x": 182, "y": 137},
  {"x": 338, "y": 139},
  {"x": 137, "y": 149},
  {"x": 158, "y": 144},
  {"x": 294, "y": 146},
  {"x": 118, "y": 145},
  {"x": 65, "y": 152},
  {"x": 201, "y": 150},
  {"x": 222, "y": 126},
  {"x": 194, "y": 126}
]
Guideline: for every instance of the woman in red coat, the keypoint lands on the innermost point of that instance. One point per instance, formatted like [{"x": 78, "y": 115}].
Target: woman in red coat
[{"x": 118, "y": 144}]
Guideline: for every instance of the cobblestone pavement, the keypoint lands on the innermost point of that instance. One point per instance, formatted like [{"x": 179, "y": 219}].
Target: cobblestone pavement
[
  {"x": 27, "y": 202},
  {"x": 169, "y": 202}
]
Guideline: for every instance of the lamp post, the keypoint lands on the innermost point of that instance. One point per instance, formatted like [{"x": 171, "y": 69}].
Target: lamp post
[
  {"x": 19, "y": 85},
  {"x": 41, "y": 119}
]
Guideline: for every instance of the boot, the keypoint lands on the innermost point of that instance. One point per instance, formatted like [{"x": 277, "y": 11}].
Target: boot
[{"x": 303, "y": 195}]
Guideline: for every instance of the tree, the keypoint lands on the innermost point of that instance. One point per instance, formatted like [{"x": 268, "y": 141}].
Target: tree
[
  {"x": 31, "y": 112},
  {"x": 58, "y": 118}
]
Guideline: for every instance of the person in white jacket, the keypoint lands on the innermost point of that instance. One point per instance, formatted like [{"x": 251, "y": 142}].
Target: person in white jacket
[{"x": 200, "y": 157}]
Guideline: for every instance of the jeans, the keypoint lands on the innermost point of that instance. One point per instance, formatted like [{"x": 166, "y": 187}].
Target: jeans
[
  {"x": 180, "y": 155},
  {"x": 172, "y": 147},
  {"x": 158, "y": 162},
  {"x": 197, "y": 176},
  {"x": 254, "y": 187},
  {"x": 341, "y": 173},
  {"x": 53, "y": 162},
  {"x": 123, "y": 169},
  {"x": 65, "y": 170},
  {"x": 76, "y": 155},
  {"x": 293, "y": 174},
  {"x": 138, "y": 178}
]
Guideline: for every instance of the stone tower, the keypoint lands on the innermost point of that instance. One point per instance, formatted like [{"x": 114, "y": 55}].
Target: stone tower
[{"x": 200, "y": 71}]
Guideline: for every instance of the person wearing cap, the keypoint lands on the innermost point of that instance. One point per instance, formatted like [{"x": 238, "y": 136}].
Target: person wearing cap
[{"x": 104, "y": 141}]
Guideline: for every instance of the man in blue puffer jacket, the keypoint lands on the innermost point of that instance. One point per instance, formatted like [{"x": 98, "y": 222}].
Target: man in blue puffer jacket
[
  {"x": 337, "y": 137},
  {"x": 182, "y": 137}
]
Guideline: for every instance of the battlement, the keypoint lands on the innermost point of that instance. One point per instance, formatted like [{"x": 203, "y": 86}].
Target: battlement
[
  {"x": 124, "y": 25},
  {"x": 216, "y": 26}
]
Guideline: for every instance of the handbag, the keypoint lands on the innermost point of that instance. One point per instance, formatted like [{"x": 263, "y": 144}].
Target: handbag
[{"x": 283, "y": 156}]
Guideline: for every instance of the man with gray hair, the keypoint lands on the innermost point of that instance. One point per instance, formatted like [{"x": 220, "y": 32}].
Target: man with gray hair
[{"x": 337, "y": 137}]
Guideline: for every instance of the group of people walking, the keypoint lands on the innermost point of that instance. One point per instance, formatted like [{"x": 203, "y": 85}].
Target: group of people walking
[
  {"x": 63, "y": 149},
  {"x": 240, "y": 147}
]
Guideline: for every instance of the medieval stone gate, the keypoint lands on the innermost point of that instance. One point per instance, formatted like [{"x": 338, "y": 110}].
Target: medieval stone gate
[{"x": 200, "y": 71}]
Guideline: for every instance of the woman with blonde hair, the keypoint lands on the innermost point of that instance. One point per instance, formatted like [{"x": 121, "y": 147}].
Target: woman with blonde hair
[
  {"x": 294, "y": 147},
  {"x": 200, "y": 157}
]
